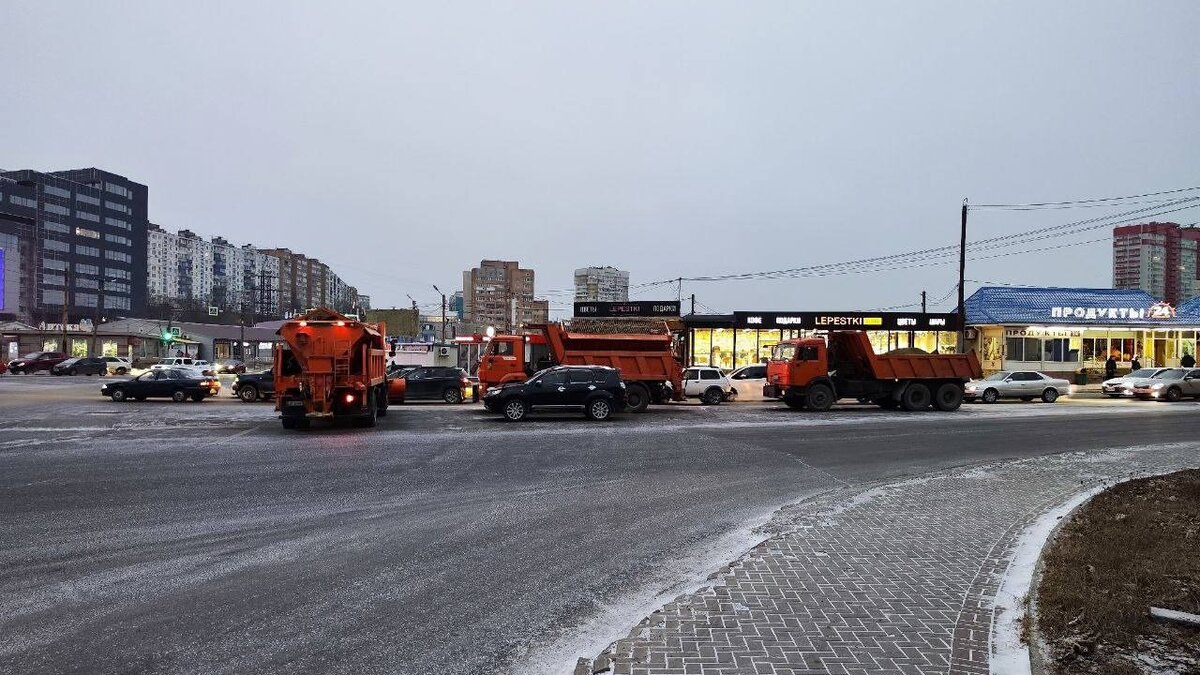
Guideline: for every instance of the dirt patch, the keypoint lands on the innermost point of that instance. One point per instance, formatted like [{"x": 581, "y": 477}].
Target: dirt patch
[{"x": 1130, "y": 547}]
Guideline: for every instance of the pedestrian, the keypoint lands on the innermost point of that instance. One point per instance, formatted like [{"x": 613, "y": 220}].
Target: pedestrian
[
  {"x": 1110, "y": 367},
  {"x": 1188, "y": 361},
  {"x": 1135, "y": 364}
]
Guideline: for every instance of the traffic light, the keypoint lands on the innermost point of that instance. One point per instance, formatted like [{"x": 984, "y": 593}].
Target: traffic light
[{"x": 168, "y": 337}]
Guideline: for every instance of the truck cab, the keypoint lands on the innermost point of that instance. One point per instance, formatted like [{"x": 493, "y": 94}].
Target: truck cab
[{"x": 512, "y": 358}]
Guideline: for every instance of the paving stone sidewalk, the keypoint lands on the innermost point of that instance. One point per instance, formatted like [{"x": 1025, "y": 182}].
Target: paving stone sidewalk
[{"x": 896, "y": 578}]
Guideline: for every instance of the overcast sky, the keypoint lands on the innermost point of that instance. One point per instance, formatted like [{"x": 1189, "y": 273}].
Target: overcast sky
[{"x": 403, "y": 142}]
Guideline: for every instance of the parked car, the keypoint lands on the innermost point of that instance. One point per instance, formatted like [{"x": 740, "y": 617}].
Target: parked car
[
  {"x": 706, "y": 383},
  {"x": 1172, "y": 385},
  {"x": 177, "y": 384},
  {"x": 435, "y": 383},
  {"x": 251, "y": 387},
  {"x": 81, "y": 366},
  {"x": 201, "y": 366},
  {"x": 35, "y": 362},
  {"x": 1023, "y": 384},
  {"x": 746, "y": 383},
  {"x": 1123, "y": 386},
  {"x": 231, "y": 367},
  {"x": 118, "y": 365},
  {"x": 597, "y": 390}
]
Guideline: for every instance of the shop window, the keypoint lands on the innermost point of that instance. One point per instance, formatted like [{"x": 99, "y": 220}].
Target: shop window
[
  {"x": 722, "y": 348},
  {"x": 79, "y": 347},
  {"x": 880, "y": 341},
  {"x": 49, "y": 345},
  {"x": 1094, "y": 349},
  {"x": 767, "y": 339},
  {"x": 949, "y": 342},
  {"x": 701, "y": 346},
  {"x": 1023, "y": 349},
  {"x": 926, "y": 341},
  {"x": 109, "y": 348},
  {"x": 747, "y": 348},
  {"x": 1121, "y": 350},
  {"x": 991, "y": 348},
  {"x": 1060, "y": 350}
]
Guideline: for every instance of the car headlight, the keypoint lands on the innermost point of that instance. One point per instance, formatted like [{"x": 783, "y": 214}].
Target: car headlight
[{"x": 1157, "y": 386}]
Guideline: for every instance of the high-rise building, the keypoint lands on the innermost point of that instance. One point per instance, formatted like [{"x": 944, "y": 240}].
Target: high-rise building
[
  {"x": 1159, "y": 258},
  {"x": 186, "y": 271},
  {"x": 601, "y": 284},
  {"x": 499, "y": 294},
  {"x": 80, "y": 243},
  {"x": 306, "y": 282}
]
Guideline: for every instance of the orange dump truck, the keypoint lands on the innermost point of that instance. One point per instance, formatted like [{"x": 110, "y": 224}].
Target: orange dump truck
[
  {"x": 812, "y": 374},
  {"x": 647, "y": 362},
  {"x": 330, "y": 367}
]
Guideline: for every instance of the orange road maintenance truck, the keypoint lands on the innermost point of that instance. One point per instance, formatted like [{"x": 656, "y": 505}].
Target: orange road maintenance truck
[
  {"x": 648, "y": 364},
  {"x": 330, "y": 367},
  {"x": 811, "y": 374}
]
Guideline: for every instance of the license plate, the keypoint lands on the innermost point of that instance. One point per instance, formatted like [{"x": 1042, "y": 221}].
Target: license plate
[{"x": 295, "y": 404}]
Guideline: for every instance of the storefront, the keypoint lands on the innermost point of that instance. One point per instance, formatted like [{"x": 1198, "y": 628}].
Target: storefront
[
  {"x": 1067, "y": 330},
  {"x": 731, "y": 341}
]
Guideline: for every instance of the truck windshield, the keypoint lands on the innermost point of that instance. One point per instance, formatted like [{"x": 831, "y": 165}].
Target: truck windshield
[{"x": 783, "y": 352}]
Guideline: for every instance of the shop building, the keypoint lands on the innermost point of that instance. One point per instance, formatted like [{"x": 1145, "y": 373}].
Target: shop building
[
  {"x": 1062, "y": 331},
  {"x": 743, "y": 338}
]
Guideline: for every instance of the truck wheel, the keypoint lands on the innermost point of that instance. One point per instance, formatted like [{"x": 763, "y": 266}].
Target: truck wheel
[
  {"x": 712, "y": 396},
  {"x": 949, "y": 397},
  {"x": 598, "y": 410},
  {"x": 452, "y": 395},
  {"x": 819, "y": 397},
  {"x": 916, "y": 397},
  {"x": 637, "y": 397},
  {"x": 248, "y": 393},
  {"x": 382, "y": 400},
  {"x": 179, "y": 396},
  {"x": 991, "y": 396},
  {"x": 369, "y": 419},
  {"x": 514, "y": 410}
]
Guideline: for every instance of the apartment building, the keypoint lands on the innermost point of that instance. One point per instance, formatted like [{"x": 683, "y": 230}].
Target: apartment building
[
  {"x": 1159, "y": 258},
  {"x": 499, "y": 294},
  {"x": 601, "y": 284}
]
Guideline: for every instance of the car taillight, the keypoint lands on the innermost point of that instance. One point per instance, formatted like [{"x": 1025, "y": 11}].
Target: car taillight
[{"x": 349, "y": 398}]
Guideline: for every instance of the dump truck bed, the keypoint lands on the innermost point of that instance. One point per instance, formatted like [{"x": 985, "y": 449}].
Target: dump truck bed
[
  {"x": 851, "y": 356},
  {"x": 641, "y": 357}
]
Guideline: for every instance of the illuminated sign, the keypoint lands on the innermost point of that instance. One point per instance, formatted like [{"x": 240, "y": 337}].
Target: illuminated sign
[
  {"x": 652, "y": 308},
  {"x": 1159, "y": 311},
  {"x": 845, "y": 320}
]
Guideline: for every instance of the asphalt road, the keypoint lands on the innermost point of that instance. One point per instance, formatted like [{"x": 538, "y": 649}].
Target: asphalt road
[{"x": 202, "y": 538}]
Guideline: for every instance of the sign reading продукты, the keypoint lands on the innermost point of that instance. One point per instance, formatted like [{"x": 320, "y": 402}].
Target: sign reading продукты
[
  {"x": 660, "y": 308},
  {"x": 846, "y": 320},
  {"x": 1158, "y": 311}
]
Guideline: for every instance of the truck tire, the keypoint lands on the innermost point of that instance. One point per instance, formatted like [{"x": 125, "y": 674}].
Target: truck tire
[
  {"x": 637, "y": 397},
  {"x": 248, "y": 393},
  {"x": 712, "y": 396},
  {"x": 949, "y": 397},
  {"x": 368, "y": 420},
  {"x": 381, "y": 401},
  {"x": 819, "y": 397},
  {"x": 915, "y": 398}
]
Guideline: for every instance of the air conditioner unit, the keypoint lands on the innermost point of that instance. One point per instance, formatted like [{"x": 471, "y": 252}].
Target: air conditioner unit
[{"x": 443, "y": 351}]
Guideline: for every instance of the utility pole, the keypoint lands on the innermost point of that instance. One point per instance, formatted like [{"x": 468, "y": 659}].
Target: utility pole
[
  {"x": 693, "y": 304},
  {"x": 922, "y": 302},
  {"x": 962, "y": 275},
  {"x": 66, "y": 303},
  {"x": 679, "y": 293},
  {"x": 443, "y": 310}
]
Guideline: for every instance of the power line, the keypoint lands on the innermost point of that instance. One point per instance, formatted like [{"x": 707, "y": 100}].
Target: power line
[{"x": 1084, "y": 201}]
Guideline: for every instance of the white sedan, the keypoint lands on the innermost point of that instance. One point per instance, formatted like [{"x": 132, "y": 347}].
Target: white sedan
[
  {"x": 1023, "y": 384},
  {"x": 747, "y": 383}
]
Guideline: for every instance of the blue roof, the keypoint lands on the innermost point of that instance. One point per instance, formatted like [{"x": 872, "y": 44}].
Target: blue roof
[
  {"x": 1190, "y": 308},
  {"x": 991, "y": 305}
]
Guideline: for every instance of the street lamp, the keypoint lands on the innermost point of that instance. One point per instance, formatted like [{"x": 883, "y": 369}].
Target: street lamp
[{"x": 443, "y": 311}]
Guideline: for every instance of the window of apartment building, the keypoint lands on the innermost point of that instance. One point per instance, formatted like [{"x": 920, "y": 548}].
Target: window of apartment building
[
  {"x": 80, "y": 197},
  {"x": 116, "y": 302},
  {"x": 52, "y": 296},
  {"x": 55, "y": 245},
  {"x": 116, "y": 287},
  {"x": 86, "y": 300},
  {"x": 117, "y": 222},
  {"x": 55, "y": 208},
  {"x": 23, "y": 201},
  {"x": 117, "y": 207},
  {"x": 56, "y": 191},
  {"x": 84, "y": 282},
  {"x": 55, "y": 265},
  {"x": 117, "y": 273},
  {"x": 87, "y": 250},
  {"x": 118, "y": 256},
  {"x": 56, "y": 227},
  {"x": 84, "y": 232},
  {"x": 53, "y": 280},
  {"x": 87, "y": 216},
  {"x": 81, "y": 268},
  {"x": 118, "y": 239}
]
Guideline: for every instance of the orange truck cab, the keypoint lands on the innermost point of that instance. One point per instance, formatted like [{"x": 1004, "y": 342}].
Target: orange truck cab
[
  {"x": 813, "y": 373},
  {"x": 647, "y": 362},
  {"x": 332, "y": 367}
]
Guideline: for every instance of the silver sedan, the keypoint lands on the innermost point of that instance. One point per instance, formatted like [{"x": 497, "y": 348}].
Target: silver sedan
[
  {"x": 1123, "y": 386},
  {"x": 1023, "y": 384}
]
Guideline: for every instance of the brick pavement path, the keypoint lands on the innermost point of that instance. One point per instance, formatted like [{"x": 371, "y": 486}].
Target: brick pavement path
[{"x": 898, "y": 578}]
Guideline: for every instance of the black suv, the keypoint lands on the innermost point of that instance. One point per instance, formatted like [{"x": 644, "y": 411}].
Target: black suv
[
  {"x": 435, "y": 383},
  {"x": 597, "y": 390},
  {"x": 251, "y": 387}
]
